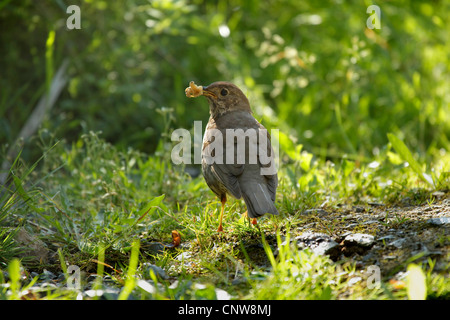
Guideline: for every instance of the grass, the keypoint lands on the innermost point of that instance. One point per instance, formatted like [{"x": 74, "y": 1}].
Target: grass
[
  {"x": 370, "y": 108},
  {"x": 99, "y": 208}
]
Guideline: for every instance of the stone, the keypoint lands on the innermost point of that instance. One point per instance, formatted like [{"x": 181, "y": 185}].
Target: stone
[
  {"x": 222, "y": 294},
  {"x": 319, "y": 212},
  {"x": 357, "y": 243},
  {"x": 360, "y": 239},
  {"x": 155, "y": 248},
  {"x": 397, "y": 243},
  {"x": 438, "y": 194},
  {"x": 47, "y": 275},
  {"x": 442, "y": 221},
  {"x": 319, "y": 243},
  {"x": 388, "y": 237},
  {"x": 104, "y": 294},
  {"x": 159, "y": 272},
  {"x": 354, "y": 280},
  {"x": 184, "y": 256}
]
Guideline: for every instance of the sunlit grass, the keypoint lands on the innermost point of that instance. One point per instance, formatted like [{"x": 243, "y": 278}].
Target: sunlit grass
[{"x": 102, "y": 201}]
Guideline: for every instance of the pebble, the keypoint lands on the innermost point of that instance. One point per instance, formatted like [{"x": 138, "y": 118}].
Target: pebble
[
  {"x": 319, "y": 212},
  {"x": 388, "y": 237},
  {"x": 146, "y": 286},
  {"x": 438, "y": 194},
  {"x": 47, "y": 275},
  {"x": 354, "y": 280},
  {"x": 442, "y": 221},
  {"x": 184, "y": 256},
  {"x": 397, "y": 243},
  {"x": 360, "y": 239},
  {"x": 159, "y": 272},
  {"x": 371, "y": 222},
  {"x": 319, "y": 243},
  {"x": 222, "y": 294},
  {"x": 155, "y": 248},
  {"x": 357, "y": 243},
  {"x": 104, "y": 294}
]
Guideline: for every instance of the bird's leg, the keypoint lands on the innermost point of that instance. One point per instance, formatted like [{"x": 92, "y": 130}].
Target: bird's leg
[
  {"x": 223, "y": 200},
  {"x": 254, "y": 222},
  {"x": 245, "y": 215}
]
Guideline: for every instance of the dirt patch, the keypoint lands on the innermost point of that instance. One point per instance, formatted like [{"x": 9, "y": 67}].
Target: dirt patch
[{"x": 390, "y": 237}]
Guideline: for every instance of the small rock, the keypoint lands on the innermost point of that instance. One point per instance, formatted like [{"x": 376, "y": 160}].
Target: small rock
[
  {"x": 319, "y": 243},
  {"x": 397, "y": 243},
  {"x": 92, "y": 278},
  {"x": 319, "y": 212},
  {"x": 146, "y": 286},
  {"x": 354, "y": 280},
  {"x": 222, "y": 294},
  {"x": 360, "y": 239},
  {"x": 159, "y": 272},
  {"x": 375, "y": 204},
  {"x": 108, "y": 280},
  {"x": 371, "y": 222},
  {"x": 61, "y": 277},
  {"x": 442, "y": 221},
  {"x": 357, "y": 243},
  {"x": 47, "y": 275},
  {"x": 388, "y": 237},
  {"x": 184, "y": 256},
  {"x": 238, "y": 281},
  {"x": 438, "y": 194},
  {"x": 105, "y": 294},
  {"x": 358, "y": 209},
  {"x": 155, "y": 248}
]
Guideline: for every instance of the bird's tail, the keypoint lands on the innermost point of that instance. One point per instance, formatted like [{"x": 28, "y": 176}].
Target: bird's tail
[{"x": 258, "y": 200}]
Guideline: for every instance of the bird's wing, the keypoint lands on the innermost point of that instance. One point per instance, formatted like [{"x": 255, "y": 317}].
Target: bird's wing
[
  {"x": 271, "y": 176},
  {"x": 219, "y": 175},
  {"x": 227, "y": 174}
]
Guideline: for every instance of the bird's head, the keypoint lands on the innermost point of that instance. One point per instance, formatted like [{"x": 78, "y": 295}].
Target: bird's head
[{"x": 223, "y": 97}]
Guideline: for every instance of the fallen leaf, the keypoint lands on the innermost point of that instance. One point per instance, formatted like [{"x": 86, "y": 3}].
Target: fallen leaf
[
  {"x": 176, "y": 238},
  {"x": 397, "y": 284}
]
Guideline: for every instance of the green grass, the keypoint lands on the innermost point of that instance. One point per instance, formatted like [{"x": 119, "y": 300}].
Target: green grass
[
  {"x": 363, "y": 118},
  {"x": 100, "y": 203}
]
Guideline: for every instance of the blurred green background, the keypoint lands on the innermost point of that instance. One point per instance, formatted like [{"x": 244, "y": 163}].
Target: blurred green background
[{"x": 312, "y": 69}]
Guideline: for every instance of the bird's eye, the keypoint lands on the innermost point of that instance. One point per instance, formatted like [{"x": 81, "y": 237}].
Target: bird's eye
[{"x": 224, "y": 92}]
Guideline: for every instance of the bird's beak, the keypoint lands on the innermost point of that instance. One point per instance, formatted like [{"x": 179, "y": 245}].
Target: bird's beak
[{"x": 208, "y": 93}]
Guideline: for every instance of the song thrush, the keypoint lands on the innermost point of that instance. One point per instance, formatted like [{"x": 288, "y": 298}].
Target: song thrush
[{"x": 232, "y": 168}]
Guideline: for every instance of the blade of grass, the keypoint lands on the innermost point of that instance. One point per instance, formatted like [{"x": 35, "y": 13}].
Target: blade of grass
[
  {"x": 417, "y": 287},
  {"x": 14, "y": 275},
  {"x": 268, "y": 251},
  {"x": 407, "y": 156},
  {"x": 130, "y": 282},
  {"x": 100, "y": 266},
  {"x": 62, "y": 262}
]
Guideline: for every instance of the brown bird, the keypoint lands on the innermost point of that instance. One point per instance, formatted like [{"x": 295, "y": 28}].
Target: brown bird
[{"x": 229, "y": 168}]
